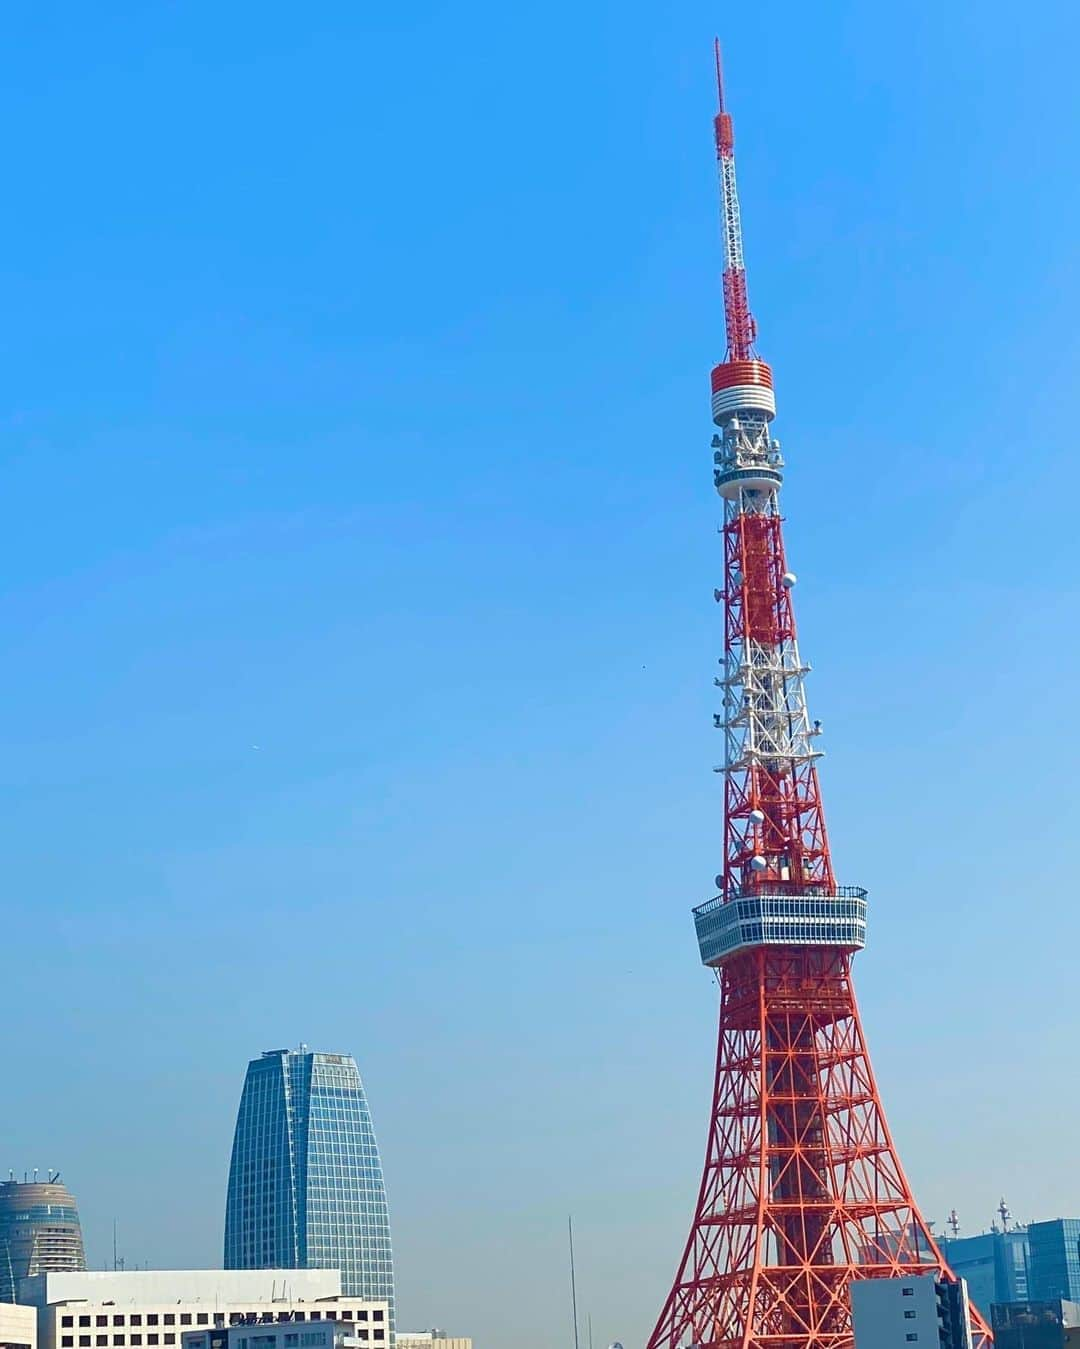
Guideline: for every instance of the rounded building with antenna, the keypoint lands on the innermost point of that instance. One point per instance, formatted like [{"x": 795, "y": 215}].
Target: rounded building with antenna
[{"x": 40, "y": 1232}]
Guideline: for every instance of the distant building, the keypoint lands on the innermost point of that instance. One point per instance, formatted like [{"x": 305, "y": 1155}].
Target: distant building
[
  {"x": 898, "y": 1313},
  {"x": 1055, "y": 1260},
  {"x": 18, "y": 1327},
  {"x": 151, "y": 1309},
  {"x": 995, "y": 1265},
  {"x": 39, "y": 1231},
  {"x": 306, "y": 1185},
  {"x": 431, "y": 1339},
  {"x": 1042, "y": 1324}
]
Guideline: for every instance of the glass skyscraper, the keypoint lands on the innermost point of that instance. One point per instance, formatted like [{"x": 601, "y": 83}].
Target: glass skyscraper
[
  {"x": 306, "y": 1185},
  {"x": 994, "y": 1263},
  {"x": 1055, "y": 1259}
]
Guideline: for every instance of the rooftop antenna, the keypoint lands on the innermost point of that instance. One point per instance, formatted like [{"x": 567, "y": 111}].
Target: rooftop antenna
[
  {"x": 954, "y": 1223},
  {"x": 590, "y": 1330},
  {"x": 1003, "y": 1210},
  {"x": 573, "y": 1280}
]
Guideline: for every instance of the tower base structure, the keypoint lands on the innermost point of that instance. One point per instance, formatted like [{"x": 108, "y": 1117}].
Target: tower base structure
[{"x": 802, "y": 1190}]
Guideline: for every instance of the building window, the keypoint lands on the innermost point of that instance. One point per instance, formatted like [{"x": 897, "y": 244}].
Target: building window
[
  {"x": 118, "y": 1320},
  {"x": 153, "y": 1339},
  {"x": 379, "y": 1334},
  {"x": 170, "y": 1337},
  {"x": 84, "y": 1341},
  {"x": 376, "y": 1316},
  {"x": 911, "y": 1336},
  {"x": 67, "y": 1341},
  {"x": 202, "y": 1319},
  {"x": 136, "y": 1319},
  {"x": 316, "y": 1316},
  {"x": 118, "y": 1339},
  {"x": 909, "y": 1316},
  {"x": 101, "y": 1340},
  {"x": 361, "y": 1316},
  {"x": 136, "y": 1339},
  {"x": 185, "y": 1318},
  {"x": 101, "y": 1320},
  {"x": 347, "y": 1315},
  {"x": 170, "y": 1319},
  {"x": 907, "y": 1292},
  {"x": 67, "y": 1321},
  {"x": 291, "y": 1340},
  {"x": 151, "y": 1318},
  {"x": 84, "y": 1320}
]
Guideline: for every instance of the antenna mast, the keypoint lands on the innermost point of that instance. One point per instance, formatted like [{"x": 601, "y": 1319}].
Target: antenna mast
[
  {"x": 741, "y": 328},
  {"x": 573, "y": 1281}
]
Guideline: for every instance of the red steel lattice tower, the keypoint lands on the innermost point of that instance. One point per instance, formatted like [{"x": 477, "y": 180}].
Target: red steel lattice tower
[{"x": 802, "y": 1190}]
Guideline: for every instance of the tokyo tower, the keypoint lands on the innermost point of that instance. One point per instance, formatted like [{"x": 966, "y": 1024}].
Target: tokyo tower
[{"x": 802, "y": 1189}]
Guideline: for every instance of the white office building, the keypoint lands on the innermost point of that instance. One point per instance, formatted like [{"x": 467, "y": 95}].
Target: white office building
[
  {"x": 152, "y": 1309},
  {"x": 917, "y": 1311},
  {"x": 18, "y": 1326}
]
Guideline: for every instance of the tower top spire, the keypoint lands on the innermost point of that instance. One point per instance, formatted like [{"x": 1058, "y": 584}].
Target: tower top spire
[{"x": 741, "y": 328}]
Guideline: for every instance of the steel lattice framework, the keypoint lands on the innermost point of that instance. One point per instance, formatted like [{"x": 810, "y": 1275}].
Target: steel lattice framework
[{"x": 802, "y": 1189}]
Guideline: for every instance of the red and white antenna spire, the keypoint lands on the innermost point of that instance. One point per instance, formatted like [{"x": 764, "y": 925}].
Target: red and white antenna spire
[{"x": 741, "y": 328}]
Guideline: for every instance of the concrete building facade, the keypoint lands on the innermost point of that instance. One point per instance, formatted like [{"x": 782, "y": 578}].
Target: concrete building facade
[
  {"x": 910, "y": 1312},
  {"x": 18, "y": 1326},
  {"x": 153, "y": 1309}
]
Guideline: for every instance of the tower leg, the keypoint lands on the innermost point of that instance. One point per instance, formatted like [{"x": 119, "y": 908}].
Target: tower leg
[{"x": 802, "y": 1189}]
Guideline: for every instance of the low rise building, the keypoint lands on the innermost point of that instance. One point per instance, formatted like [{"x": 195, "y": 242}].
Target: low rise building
[
  {"x": 279, "y": 1335},
  {"x": 18, "y": 1326},
  {"x": 1052, "y": 1323},
  {"x": 431, "y": 1339},
  {"x": 152, "y": 1309}
]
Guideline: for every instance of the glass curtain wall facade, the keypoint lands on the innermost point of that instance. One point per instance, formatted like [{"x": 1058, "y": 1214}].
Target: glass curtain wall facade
[
  {"x": 1055, "y": 1260},
  {"x": 995, "y": 1265},
  {"x": 306, "y": 1186}
]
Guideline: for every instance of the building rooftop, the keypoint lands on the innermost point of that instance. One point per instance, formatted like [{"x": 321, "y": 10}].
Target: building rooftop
[{"x": 220, "y": 1287}]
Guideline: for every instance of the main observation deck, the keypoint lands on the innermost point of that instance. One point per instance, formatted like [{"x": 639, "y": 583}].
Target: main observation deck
[{"x": 816, "y": 917}]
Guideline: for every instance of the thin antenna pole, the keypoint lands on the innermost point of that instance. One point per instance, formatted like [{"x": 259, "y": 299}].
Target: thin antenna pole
[
  {"x": 573, "y": 1281},
  {"x": 114, "y": 1245},
  {"x": 590, "y": 1330}
]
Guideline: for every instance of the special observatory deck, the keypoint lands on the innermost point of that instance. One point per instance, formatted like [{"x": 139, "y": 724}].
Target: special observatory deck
[{"x": 818, "y": 918}]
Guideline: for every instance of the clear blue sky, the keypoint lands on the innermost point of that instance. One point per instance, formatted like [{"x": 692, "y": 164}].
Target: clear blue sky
[{"x": 355, "y": 407}]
